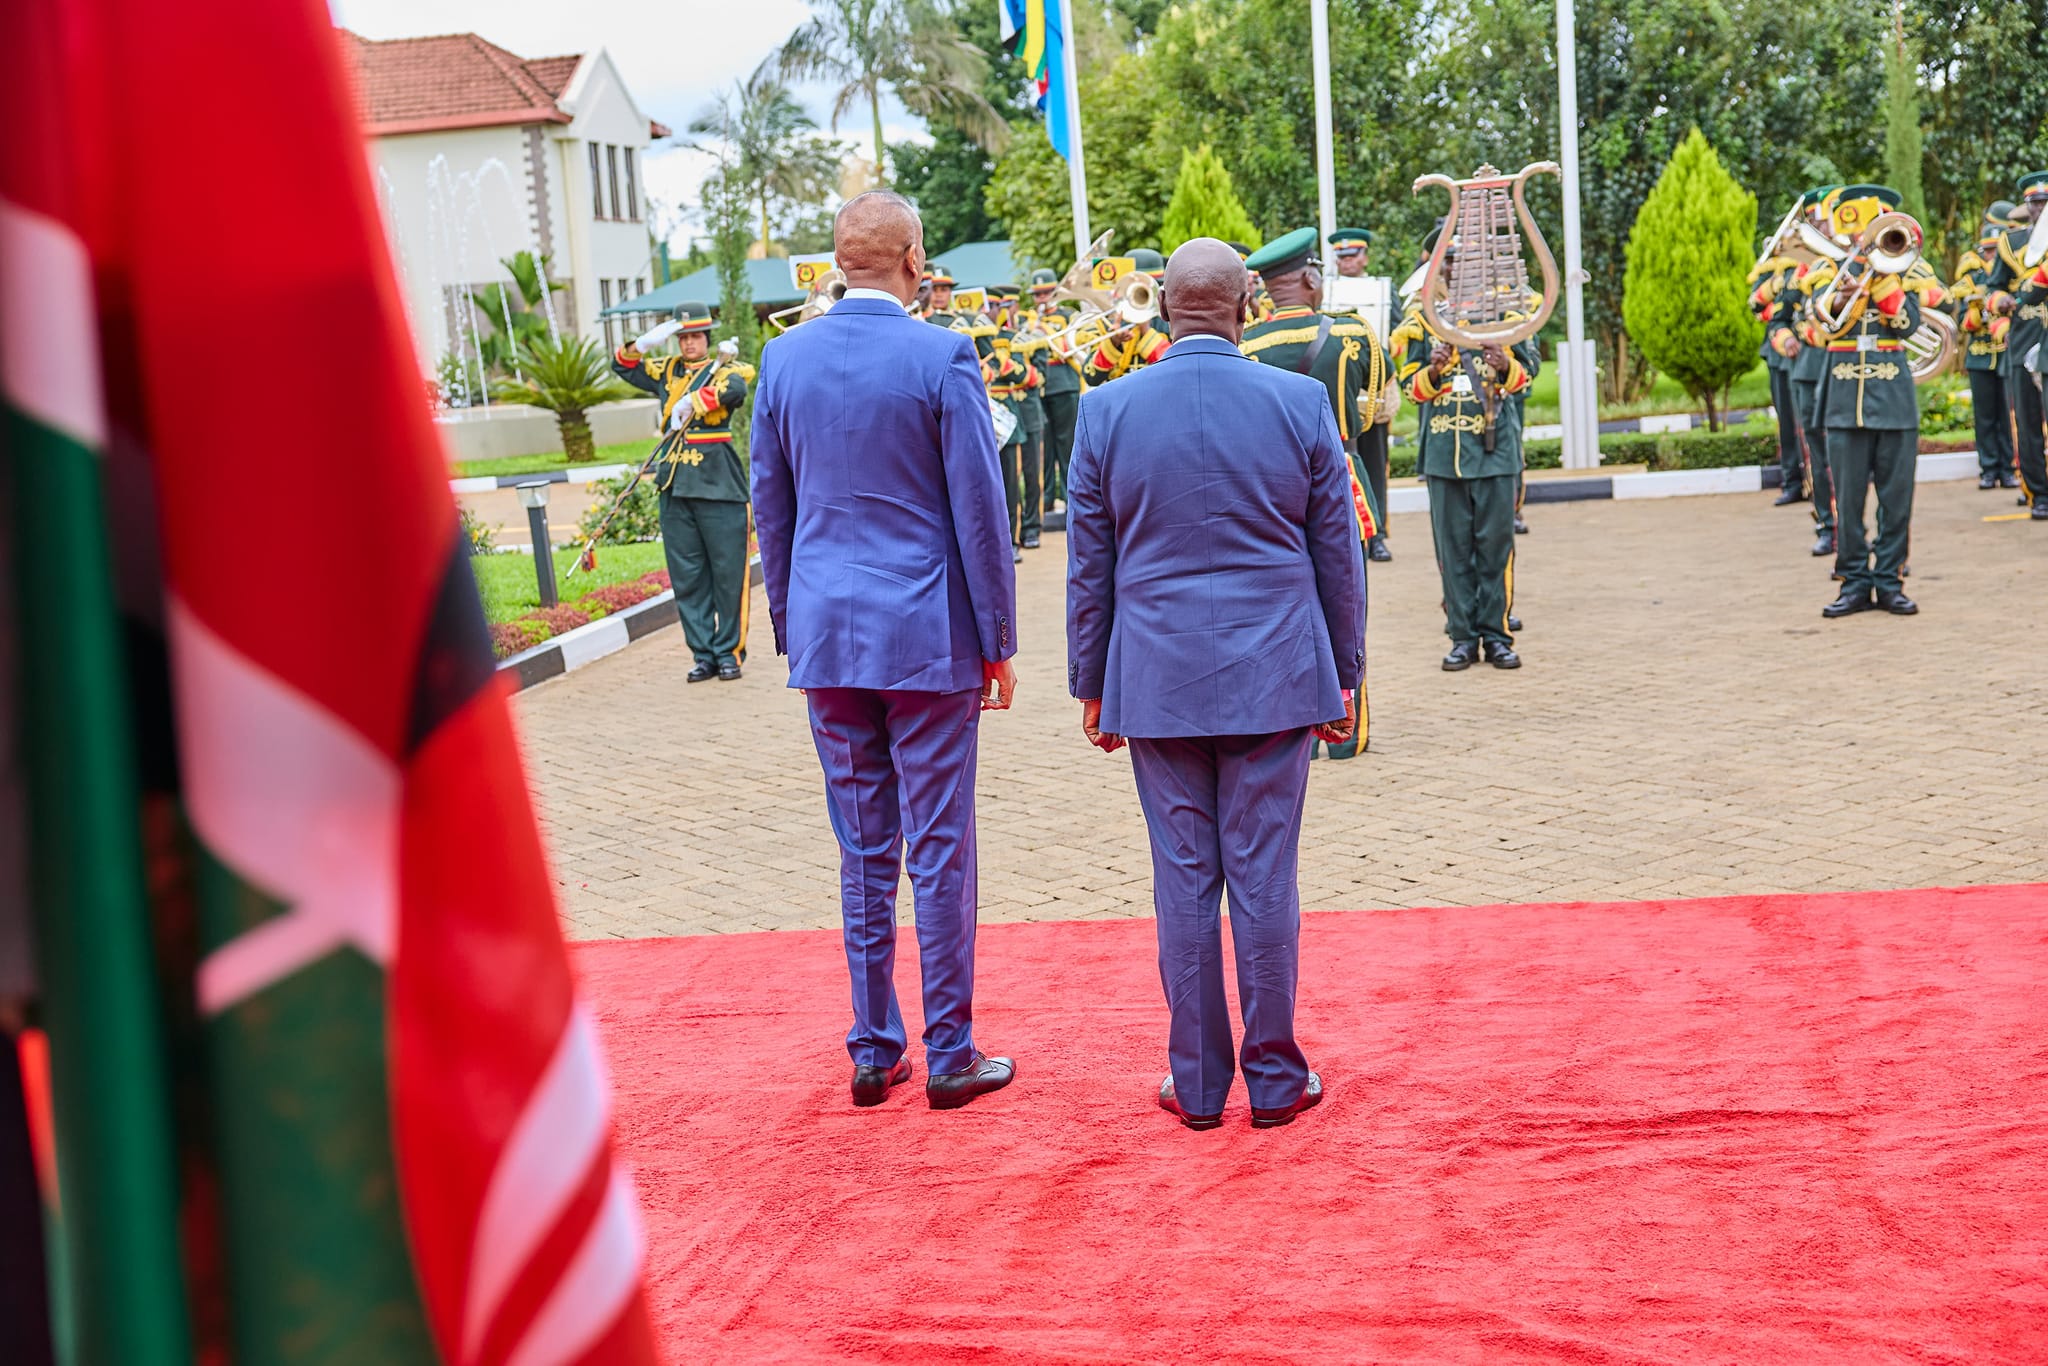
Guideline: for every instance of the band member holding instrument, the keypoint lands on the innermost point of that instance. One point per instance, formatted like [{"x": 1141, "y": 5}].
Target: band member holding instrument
[
  {"x": 1795, "y": 334},
  {"x": 1013, "y": 337},
  {"x": 1769, "y": 279},
  {"x": 2017, "y": 297},
  {"x": 1133, "y": 347},
  {"x": 1376, "y": 410},
  {"x": 1342, "y": 353},
  {"x": 703, "y": 485},
  {"x": 1869, "y": 404},
  {"x": 1984, "y": 354},
  {"x": 1062, "y": 392}
]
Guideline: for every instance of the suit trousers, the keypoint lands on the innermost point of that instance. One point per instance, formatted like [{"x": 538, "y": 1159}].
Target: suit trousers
[
  {"x": 2030, "y": 447},
  {"x": 1820, "y": 479},
  {"x": 1226, "y": 811},
  {"x": 1861, "y": 457},
  {"x": 899, "y": 769},
  {"x": 1791, "y": 459},
  {"x": 1473, "y": 522},
  {"x": 1989, "y": 413},
  {"x": 704, "y": 541},
  {"x": 1060, "y": 411},
  {"x": 1372, "y": 458}
]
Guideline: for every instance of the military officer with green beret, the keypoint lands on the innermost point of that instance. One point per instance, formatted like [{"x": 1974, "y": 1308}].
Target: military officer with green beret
[
  {"x": 1470, "y": 435},
  {"x": 1341, "y": 352},
  {"x": 1871, "y": 411},
  {"x": 1984, "y": 353},
  {"x": 703, "y": 485},
  {"x": 2017, "y": 299}
]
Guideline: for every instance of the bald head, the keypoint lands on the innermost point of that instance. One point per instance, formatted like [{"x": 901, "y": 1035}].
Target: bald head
[
  {"x": 1207, "y": 290},
  {"x": 878, "y": 241}
]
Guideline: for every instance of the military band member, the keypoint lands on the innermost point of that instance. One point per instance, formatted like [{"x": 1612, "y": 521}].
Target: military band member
[
  {"x": 1124, "y": 349},
  {"x": 921, "y": 306},
  {"x": 938, "y": 300},
  {"x": 1769, "y": 280},
  {"x": 1009, "y": 378},
  {"x": 1018, "y": 331},
  {"x": 1341, "y": 352},
  {"x": 1984, "y": 354},
  {"x": 1470, "y": 437},
  {"x": 2017, "y": 298},
  {"x": 1351, "y": 247},
  {"x": 1871, "y": 412},
  {"x": 1795, "y": 334},
  {"x": 703, "y": 486},
  {"x": 1058, "y": 362}
]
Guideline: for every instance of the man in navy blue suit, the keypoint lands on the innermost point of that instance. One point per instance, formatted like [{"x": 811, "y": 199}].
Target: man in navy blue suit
[
  {"x": 886, "y": 546},
  {"x": 1216, "y": 620}
]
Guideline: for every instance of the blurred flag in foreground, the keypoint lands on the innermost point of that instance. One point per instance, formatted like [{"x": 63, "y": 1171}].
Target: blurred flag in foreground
[{"x": 268, "y": 763}]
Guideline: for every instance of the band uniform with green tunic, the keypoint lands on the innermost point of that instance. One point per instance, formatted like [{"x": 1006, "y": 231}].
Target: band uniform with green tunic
[
  {"x": 1341, "y": 353},
  {"x": 1794, "y": 334},
  {"x": 1984, "y": 352},
  {"x": 703, "y": 486},
  {"x": 1057, "y": 361},
  {"x": 2017, "y": 301}
]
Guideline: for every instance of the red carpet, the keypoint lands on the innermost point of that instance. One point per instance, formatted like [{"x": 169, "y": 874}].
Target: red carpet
[{"x": 1770, "y": 1129}]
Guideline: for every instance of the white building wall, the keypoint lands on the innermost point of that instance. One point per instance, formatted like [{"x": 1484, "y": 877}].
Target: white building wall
[{"x": 606, "y": 249}]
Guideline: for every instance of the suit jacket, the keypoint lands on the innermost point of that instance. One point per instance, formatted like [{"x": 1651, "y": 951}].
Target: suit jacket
[
  {"x": 878, "y": 500},
  {"x": 1215, "y": 584}
]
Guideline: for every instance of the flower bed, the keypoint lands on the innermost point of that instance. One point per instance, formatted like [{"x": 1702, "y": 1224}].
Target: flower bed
[{"x": 541, "y": 624}]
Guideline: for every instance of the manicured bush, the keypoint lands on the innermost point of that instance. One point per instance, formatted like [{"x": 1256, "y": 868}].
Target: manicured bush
[{"x": 639, "y": 520}]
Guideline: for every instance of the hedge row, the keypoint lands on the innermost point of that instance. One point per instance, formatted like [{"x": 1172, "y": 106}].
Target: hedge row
[{"x": 1664, "y": 451}]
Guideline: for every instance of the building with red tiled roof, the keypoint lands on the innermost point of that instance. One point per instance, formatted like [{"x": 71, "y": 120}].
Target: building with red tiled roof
[{"x": 480, "y": 153}]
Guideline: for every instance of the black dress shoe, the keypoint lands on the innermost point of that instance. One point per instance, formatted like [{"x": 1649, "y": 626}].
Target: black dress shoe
[
  {"x": 1987, "y": 481},
  {"x": 1031, "y": 541},
  {"x": 951, "y": 1090},
  {"x": 1897, "y": 603},
  {"x": 1851, "y": 600},
  {"x": 1514, "y": 624},
  {"x": 2008, "y": 480},
  {"x": 728, "y": 672},
  {"x": 1825, "y": 545},
  {"x": 1521, "y": 527},
  {"x": 699, "y": 674},
  {"x": 2039, "y": 512},
  {"x": 1311, "y": 1096},
  {"x": 1171, "y": 1104},
  {"x": 1463, "y": 655},
  {"x": 1792, "y": 493},
  {"x": 1376, "y": 549},
  {"x": 1501, "y": 655},
  {"x": 871, "y": 1084}
]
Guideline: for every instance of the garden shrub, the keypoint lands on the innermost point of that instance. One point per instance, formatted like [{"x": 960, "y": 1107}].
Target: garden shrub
[{"x": 639, "y": 520}]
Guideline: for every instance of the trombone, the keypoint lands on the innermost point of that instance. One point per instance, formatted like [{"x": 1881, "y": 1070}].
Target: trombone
[
  {"x": 1889, "y": 246},
  {"x": 829, "y": 290}
]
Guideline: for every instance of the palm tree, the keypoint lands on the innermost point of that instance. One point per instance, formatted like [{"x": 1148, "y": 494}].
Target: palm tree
[
  {"x": 768, "y": 143},
  {"x": 515, "y": 316},
  {"x": 565, "y": 375},
  {"x": 907, "y": 47}
]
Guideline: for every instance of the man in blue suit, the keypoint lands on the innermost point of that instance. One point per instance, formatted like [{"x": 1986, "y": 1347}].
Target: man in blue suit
[
  {"x": 1216, "y": 620},
  {"x": 886, "y": 546}
]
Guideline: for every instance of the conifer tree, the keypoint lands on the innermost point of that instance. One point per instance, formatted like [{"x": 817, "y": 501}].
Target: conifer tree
[
  {"x": 1902, "y": 118},
  {"x": 1205, "y": 205},
  {"x": 1685, "y": 292}
]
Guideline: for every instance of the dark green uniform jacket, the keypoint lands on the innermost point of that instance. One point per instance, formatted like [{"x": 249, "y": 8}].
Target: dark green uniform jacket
[
  {"x": 2009, "y": 275},
  {"x": 1351, "y": 362},
  {"x": 1869, "y": 380},
  {"x": 696, "y": 458},
  {"x": 1452, "y": 423},
  {"x": 1981, "y": 350}
]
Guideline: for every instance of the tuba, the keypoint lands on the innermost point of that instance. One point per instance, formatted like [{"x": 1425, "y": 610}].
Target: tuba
[{"x": 1469, "y": 302}]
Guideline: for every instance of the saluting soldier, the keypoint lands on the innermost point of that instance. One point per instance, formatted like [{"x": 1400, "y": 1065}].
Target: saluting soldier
[
  {"x": 1984, "y": 354},
  {"x": 1871, "y": 411},
  {"x": 1341, "y": 352},
  {"x": 1061, "y": 394},
  {"x": 2017, "y": 300},
  {"x": 703, "y": 485},
  {"x": 1124, "y": 349},
  {"x": 1769, "y": 279},
  {"x": 1470, "y": 437},
  {"x": 1794, "y": 333}
]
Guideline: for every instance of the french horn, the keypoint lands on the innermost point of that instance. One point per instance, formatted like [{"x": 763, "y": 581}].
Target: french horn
[{"x": 1469, "y": 303}]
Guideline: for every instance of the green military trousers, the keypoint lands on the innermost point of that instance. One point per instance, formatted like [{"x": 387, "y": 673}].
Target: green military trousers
[
  {"x": 1860, "y": 457},
  {"x": 705, "y": 543},
  {"x": 1820, "y": 480},
  {"x": 1473, "y": 523}
]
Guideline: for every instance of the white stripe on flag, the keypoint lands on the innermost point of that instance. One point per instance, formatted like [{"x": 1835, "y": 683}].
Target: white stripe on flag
[
  {"x": 294, "y": 802},
  {"x": 49, "y": 347},
  {"x": 599, "y": 1282},
  {"x": 559, "y": 1134}
]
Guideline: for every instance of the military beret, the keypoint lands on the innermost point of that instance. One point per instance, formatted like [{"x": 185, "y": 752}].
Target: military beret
[
  {"x": 1148, "y": 260},
  {"x": 1043, "y": 279},
  {"x": 694, "y": 317},
  {"x": 1350, "y": 237},
  {"x": 1285, "y": 254},
  {"x": 2034, "y": 184}
]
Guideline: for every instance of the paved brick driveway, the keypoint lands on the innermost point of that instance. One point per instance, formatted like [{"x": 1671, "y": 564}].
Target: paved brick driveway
[{"x": 1686, "y": 725}]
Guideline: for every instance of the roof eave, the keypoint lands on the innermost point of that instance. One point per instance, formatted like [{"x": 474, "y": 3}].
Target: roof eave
[{"x": 446, "y": 123}]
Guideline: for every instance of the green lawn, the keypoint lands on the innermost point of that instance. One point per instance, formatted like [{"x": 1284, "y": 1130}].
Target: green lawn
[
  {"x": 625, "y": 453},
  {"x": 508, "y": 586},
  {"x": 1753, "y": 390}
]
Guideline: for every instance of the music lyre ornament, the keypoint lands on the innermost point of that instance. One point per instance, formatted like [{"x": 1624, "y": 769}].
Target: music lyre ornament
[{"x": 1482, "y": 299}]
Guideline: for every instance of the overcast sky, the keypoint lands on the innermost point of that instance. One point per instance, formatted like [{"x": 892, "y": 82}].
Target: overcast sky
[{"x": 675, "y": 58}]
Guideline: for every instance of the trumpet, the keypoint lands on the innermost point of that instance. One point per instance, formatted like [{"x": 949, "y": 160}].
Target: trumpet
[{"x": 829, "y": 290}]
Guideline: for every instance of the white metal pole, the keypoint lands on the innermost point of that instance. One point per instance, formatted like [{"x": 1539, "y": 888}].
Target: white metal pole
[
  {"x": 1077, "y": 173},
  {"x": 1577, "y": 392},
  {"x": 1326, "y": 159}
]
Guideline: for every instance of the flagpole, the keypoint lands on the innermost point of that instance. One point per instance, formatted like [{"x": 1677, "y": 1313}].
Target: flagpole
[
  {"x": 1077, "y": 172},
  {"x": 1326, "y": 162},
  {"x": 1578, "y": 401}
]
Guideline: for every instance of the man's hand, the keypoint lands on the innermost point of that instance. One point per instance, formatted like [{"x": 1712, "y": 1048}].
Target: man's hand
[
  {"x": 1496, "y": 360},
  {"x": 998, "y": 685},
  {"x": 1439, "y": 361},
  {"x": 1091, "y": 726},
  {"x": 1339, "y": 732}
]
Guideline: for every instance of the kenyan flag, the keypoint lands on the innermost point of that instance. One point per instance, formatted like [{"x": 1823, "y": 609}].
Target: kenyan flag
[{"x": 400, "y": 1150}]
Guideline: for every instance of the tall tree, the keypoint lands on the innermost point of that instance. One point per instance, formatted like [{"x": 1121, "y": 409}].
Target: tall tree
[
  {"x": 726, "y": 210},
  {"x": 909, "y": 48},
  {"x": 770, "y": 145},
  {"x": 1685, "y": 294},
  {"x": 1902, "y": 117},
  {"x": 946, "y": 179},
  {"x": 1204, "y": 204},
  {"x": 1986, "y": 106}
]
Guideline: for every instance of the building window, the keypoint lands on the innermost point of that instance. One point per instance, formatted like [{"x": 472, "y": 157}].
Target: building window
[
  {"x": 596, "y": 184},
  {"x": 604, "y": 301},
  {"x": 632, "y": 188},
  {"x": 611, "y": 156}
]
